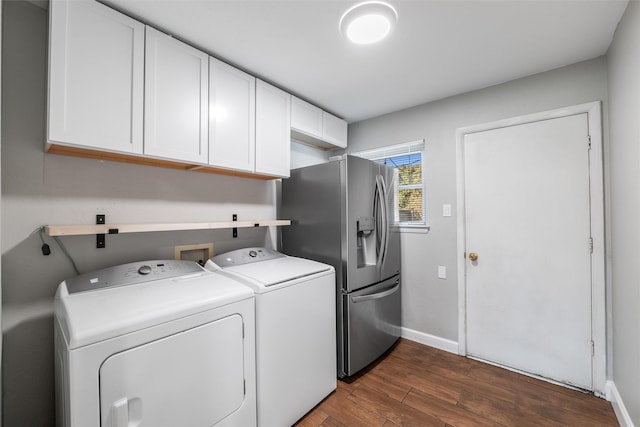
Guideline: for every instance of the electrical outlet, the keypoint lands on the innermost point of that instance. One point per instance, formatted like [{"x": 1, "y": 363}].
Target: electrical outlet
[
  {"x": 199, "y": 253},
  {"x": 442, "y": 272}
]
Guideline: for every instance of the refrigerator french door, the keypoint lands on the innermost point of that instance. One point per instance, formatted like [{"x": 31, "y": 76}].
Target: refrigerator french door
[
  {"x": 373, "y": 322},
  {"x": 342, "y": 214}
]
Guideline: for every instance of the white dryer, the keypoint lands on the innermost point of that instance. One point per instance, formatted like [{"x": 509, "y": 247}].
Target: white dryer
[
  {"x": 295, "y": 329},
  {"x": 156, "y": 343}
]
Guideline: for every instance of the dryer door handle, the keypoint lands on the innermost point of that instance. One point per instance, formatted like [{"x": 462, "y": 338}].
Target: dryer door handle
[
  {"x": 120, "y": 413},
  {"x": 126, "y": 412}
]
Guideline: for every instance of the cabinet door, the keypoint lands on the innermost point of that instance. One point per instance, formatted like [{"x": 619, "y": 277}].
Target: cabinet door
[
  {"x": 305, "y": 117},
  {"x": 232, "y": 117},
  {"x": 334, "y": 130},
  {"x": 176, "y": 99},
  {"x": 273, "y": 130},
  {"x": 96, "y": 72}
]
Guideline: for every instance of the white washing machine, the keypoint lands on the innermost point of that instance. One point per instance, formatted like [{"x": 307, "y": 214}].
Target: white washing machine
[
  {"x": 155, "y": 343},
  {"x": 295, "y": 329}
]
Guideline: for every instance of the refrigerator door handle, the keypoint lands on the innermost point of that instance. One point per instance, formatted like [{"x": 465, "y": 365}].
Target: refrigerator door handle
[
  {"x": 378, "y": 295},
  {"x": 380, "y": 202},
  {"x": 385, "y": 209}
]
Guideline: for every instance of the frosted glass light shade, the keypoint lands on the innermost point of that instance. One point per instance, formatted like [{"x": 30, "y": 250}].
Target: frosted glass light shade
[{"x": 368, "y": 22}]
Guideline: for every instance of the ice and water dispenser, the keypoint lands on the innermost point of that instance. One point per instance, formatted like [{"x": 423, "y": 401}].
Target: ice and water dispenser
[{"x": 366, "y": 227}]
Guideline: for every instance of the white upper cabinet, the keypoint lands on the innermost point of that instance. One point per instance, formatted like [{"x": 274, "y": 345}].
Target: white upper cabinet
[
  {"x": 273, "y": 127},
  {"x": 306, "y": 117},
  {"x": 96, "y": 72},
  {"x": 123, "y": 91},
  {"x": 232, "y": 117},
  {"x": 311, "y": 125},
  {"x": 176, "y": 117},
  {"x": 334, "y": 130}
]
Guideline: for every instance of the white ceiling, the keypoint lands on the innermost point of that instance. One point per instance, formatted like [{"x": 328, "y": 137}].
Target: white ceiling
[{"x": 440, "y": 48}]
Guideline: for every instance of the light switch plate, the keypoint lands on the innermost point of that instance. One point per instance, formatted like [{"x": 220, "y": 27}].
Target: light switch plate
[
  {"x": 446, "y": 210},
  {"x": 442, "y": 272}
]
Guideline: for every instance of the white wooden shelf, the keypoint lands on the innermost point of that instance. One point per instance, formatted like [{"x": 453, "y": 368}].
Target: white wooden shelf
[{"x": 80, "y": 230}]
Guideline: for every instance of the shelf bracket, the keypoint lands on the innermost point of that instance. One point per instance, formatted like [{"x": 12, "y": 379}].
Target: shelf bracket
[
  {"x": 235, "y": 229},
  {"x": 100, "y": 239}
]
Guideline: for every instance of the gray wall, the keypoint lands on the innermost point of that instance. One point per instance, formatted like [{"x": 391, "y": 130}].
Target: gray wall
[
  {"x": 39, "y": 188},
  {"x": 624, "y": 110},
  {"x": 430, "y": 305}
]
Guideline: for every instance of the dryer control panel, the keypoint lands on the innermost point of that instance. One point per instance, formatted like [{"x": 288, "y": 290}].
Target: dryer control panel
[
  {"x": 131, "y": 274},
  {"x": 245, "y": 256}
]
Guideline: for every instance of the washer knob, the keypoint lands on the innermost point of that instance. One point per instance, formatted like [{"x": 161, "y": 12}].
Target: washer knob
[
  {"x": 145, "y": 269},
  {"x": 253, "y": 254}
]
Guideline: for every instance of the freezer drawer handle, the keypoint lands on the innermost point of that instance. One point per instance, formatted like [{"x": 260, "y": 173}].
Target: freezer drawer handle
[{"x": 378, "y": 295}]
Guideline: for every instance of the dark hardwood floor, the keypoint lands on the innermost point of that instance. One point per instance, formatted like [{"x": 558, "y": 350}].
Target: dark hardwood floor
[{"x": 416, "y": 385}]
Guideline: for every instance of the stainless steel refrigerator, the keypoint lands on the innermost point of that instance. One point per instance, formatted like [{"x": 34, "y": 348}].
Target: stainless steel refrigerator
[{"x": 342, "y": 214}]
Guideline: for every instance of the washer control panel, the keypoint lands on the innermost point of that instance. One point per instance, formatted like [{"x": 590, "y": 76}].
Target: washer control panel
[
  {"x": 245, "y": 256},
  {"x": 131, "y": 274}
]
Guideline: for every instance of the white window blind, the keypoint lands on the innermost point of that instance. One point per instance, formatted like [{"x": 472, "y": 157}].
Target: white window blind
[
  {"x": 392, "y": 150},
  {"x": 407, "y": 159}
]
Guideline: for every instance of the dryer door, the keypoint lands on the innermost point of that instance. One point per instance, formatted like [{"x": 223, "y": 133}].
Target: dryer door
[{"x": 193, "y": 378}]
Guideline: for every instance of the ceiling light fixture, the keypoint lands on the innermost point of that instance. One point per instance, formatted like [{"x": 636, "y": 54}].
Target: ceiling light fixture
[{"x": 368, "y": 22}]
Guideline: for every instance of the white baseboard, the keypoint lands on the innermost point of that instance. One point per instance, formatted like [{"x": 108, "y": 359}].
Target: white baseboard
[
  {"x": 618, "y": 405},
  {"x": 430, "y": 340}
]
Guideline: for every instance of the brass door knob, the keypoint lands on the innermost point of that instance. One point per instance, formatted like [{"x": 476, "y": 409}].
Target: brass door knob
[{"x": 473, "y": 256}]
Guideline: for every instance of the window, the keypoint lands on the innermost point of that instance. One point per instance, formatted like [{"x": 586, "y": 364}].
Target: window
[{"x": 409, "y": 180}]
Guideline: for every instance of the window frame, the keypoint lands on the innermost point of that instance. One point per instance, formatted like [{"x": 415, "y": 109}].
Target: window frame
[{"x": 398, "y": 150}]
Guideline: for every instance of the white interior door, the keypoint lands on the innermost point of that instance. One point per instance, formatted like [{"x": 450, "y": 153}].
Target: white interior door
[{"x": 527, "y": 214}]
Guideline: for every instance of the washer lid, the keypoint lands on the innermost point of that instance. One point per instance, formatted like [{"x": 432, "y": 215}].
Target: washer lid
[
  {"x": 90, "y": 317},
  {"x": 278, "y": 270}
]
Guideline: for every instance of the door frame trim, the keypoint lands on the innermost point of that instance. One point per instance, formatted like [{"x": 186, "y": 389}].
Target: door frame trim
[{"x": 598, "y": 260}]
